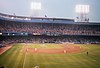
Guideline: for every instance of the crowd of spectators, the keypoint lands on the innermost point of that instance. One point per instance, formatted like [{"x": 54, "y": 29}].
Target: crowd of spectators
[
  {"x": 50, "y": 39},
  {"x": 49, "y": 32},
  {"x": 50, "y": 28}
]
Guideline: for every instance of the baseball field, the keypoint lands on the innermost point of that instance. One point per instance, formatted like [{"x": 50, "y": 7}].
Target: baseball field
[{"x": 29, "y": 55}]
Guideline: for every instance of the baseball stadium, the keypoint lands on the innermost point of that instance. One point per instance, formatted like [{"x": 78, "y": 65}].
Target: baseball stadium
[{"x": 46, "y": 42}]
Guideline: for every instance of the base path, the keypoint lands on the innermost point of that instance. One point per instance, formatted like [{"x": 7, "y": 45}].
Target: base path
[{"x": 64, "y": 49}]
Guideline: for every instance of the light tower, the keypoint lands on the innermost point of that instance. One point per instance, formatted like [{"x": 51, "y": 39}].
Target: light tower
[
  {"x": 35, "y": 8},
  {"x": 82, "y": 12}
]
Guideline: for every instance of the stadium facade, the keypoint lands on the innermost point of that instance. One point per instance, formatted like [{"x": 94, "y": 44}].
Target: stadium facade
[{"x": 16, "y": 29}]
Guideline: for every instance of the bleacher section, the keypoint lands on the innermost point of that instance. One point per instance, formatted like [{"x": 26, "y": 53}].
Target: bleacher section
[{"x": 46, "y": 30}]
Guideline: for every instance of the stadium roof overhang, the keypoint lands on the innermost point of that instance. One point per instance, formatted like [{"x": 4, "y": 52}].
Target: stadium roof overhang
[{"x": 15, "y": 18}]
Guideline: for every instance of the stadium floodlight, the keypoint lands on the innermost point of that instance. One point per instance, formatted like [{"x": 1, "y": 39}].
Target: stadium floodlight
[
  {"x": 35, "y": 8},
  {"x": 35, "y": 5},
  {"x": 82, "y": 9}
]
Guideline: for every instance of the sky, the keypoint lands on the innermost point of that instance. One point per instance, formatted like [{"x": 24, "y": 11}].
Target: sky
[{"x": 51, "y": 8}]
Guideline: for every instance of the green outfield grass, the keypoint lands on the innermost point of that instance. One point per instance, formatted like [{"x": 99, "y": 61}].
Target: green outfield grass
[{"x": 16, "y": 57}]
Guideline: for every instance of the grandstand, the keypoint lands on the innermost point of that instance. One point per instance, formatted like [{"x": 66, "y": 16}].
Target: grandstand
[{"x": 47, "y": 30}]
